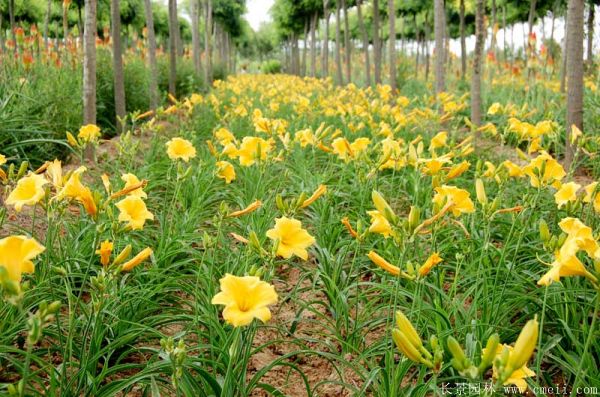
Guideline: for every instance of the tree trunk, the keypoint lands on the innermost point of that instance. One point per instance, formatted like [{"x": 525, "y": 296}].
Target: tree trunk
[
  {"x": 195, "y": 5},
  {"x": 305, "y": 47},
  {"x": 325, "y": 65},
  {"x": 153, "y": 83},
  {"x": 463, "y": 41},
  {"x": 47, "y": 23},
  {"x": 590, "y": 36},
  {"x": 426, "y": 50},
  {"x": 65, "y": 22},
  {"x": 313, "y": 45},
  {"x": 418, "y": 38},
  {"x": 440, "y": 82},
  {"x": 392, "y": 44},
  {"x": 563, "y": 69},
  {"x": 207, "y": 42},
  {"x": 376, "y": 42},
  {"x": 531, "y": 18},
  {"x": 574, "y": 74},
  {"x": 347, "y": 47},
  {"x": 119, "y": 80},
  {"x": 365, "y": 40},
  {"x": 89, "y": 63},
  {"x": 338, "y": 41},
  {"x": 477, "y": 61},
  {"x": 172, "y": 46}
]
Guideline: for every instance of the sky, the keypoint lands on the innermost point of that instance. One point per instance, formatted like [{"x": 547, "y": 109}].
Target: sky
[{"x": 258, "y": 12}]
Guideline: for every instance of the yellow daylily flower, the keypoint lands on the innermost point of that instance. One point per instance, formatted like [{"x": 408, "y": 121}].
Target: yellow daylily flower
[
  {"x": 245, "y": 298},
  {"x": 517, "y": 377},
  {"x": 458, "y": 199},
  {"x": 382, "y": 263},
  {"x": 225, "y": 171},
  {"x": 592, "y": 195},
  {"x": 253, "y": 149},
  {"x": 16, "y": 253},
  {"x": 136, "y": 260},
  {"x": 321, "y": 190},
  {"x": 292, "y": 238},
  {"x": 105, "y": 250},
  {"x": 438, "y": 141},
  {"x": 29, "y": 191},
  {"x": 89, "y": 133},
  {"x": 179, "y": 148},
  {"x": 567, "y": 193},
  {"x": 74, "y": 189},
  {"x": 513, "y": 170},
  {"x": 553, "y": 172},
  {"x": 380, "y": 225},
  {"x": 133, "y": 211},
  {"x": 130, "y": 181},
  {"x": 433, "y": 260}
]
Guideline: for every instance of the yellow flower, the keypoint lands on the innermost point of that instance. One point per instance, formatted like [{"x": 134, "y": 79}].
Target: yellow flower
[
  {"x": 179, "y": 148},
  {"x": 2, "y": 159},
  {"x": 434, "y": 166},
  {"x": 592, "y": 195},
  {"x": 459, "y": 198},
  {"x": 379, "y": 224},
  {"x": 490, "y": 170},
  {"x": 105, "y": 250},
  {"x": 360, "y": 145},
  {"x": 535, "y": 145},
  {"x": 321, "y": 190},
  {"x": 224, "y": 136},
  {"x": 29, "y": 191},
  {"x": 567, "y": 193},
  {"x": 342, "y": 148},
  {"x": 513, "y": 170},
  {"x": 230, "y": 150},
  {"x": 575, "y": 134},
  {"x": 136, "y": 260},
  {"x": 133, "y": 211},
  {"x": 132, "y": 180},
  {"x": 73, "y": 188},
  {"x": 457, "y": 170},
  {"x": 16, "y": 253},
  {"x": 438, "y": 141},
  {"x": 494, "y": 109},
  {"x": 292, "y": 239},
  {"x": 89, "y": 133},
  {"x": 382, "y": 263},
  {"x": 433, "y": 260},
  {"x": 253, "y": 149},
  {"x": 245, "y": 298},
  {"x": 305, "y": 137},
  {"x": 252, "y": 207},
  {"x": 552, "y": 171},
  {"x": 54, "y": 172},
  {"x": 518, "y": 376},
  {"x": 225, "y": 171},
  {"x": 524, "y": 346}
]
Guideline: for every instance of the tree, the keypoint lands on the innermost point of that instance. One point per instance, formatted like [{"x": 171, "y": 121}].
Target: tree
[
  {"x": 118, "y": 77},
  {"x": 195, "y": 35},
  {"x": 326, "y": 39},
  {"x": 376, "y": 42},
  {"x": 365, "y": 40},
  {"x": 392, "y": 43},
  {"x": 574, "y": 74},
  {"x": 338, "y": 44},
  {"x": 477, "y": 60},
  {"x": 438, "y": 20},
  {"x": 173, "y": 33},
  {"x": 153, "y": 84},
  {"x": 208, "y": 26},
  {"x": 463, "y": 41},
  {"x": 89, "y": 63},
  {"x": 347, "y": 48}
]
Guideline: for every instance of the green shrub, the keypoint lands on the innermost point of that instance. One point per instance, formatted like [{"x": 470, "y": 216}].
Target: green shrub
[{"x": 272, "y": 66}]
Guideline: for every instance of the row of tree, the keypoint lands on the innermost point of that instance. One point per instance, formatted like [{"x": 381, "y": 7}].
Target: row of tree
[{"x": 418, "y": 21}]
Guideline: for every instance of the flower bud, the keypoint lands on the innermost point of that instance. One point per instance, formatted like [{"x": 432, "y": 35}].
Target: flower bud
[
  {"x": 544, "y": 231},
  {"x": 480, "y": 190},
  {"x": 490, "y": 352},
  {"x": 405, "y": 346},
  {"x": 405, "y": 326},
  {"x": 524, "y": 346}
]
